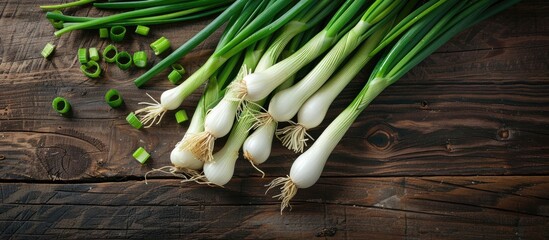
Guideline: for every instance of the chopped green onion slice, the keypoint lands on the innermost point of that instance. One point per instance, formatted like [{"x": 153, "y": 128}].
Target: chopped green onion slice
[
  {"x": 177, "y": 67},
  {"x": 82, "y": 55},
  {"x": 160, "y": 45},
  {"x": 48, "y": 49},
  {"x": 103, "y": 33},
  {"x": 140, "y": 59},
  {"x": 118, "y": 33},
  {"x": 181, "y": 116},
  {"x": 141, "y": 155},
  {"x": 94, "y": 54},
  {"x": 110, "y": 53},
  {"x": 134, "y": 121},
  {"x": 61, "y": 105},
  {"x": 124, "y": 60},
  {"x": 113, "y": 98},
  {"x": 142, "y": 30},
  {"x": 91, "y": 69},
  {"x": 175, "y": 77},
  {"x": 57, "y": 24}
]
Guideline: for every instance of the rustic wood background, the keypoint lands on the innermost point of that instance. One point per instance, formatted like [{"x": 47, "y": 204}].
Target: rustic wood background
[{"x": 458, "y": 149}]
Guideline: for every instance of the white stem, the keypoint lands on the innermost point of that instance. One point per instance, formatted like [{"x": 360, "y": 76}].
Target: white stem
[
  {"x": 313, "y": 111},
  {"x": 220, "y": 119},
  {"x": 185, "y": 159},
  {"x": 221, "y": 170},
  {"x": 285, "y": 104},
  {"x": 257, "y": 147},
  {"x": 307, "y": 168},
  {"x": 261, "y": 83},
  {"x": 172, "y": 98}
]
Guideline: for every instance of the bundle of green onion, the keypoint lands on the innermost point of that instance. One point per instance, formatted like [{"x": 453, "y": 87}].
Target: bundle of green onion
[{"x": 281, "y": 59}]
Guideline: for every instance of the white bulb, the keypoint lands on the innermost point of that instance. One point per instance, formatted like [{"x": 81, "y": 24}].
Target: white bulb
[
  {"x": 313, "y": 111},
  {"x": 171, "y": 98},
  {"x": 220, "y": 119},
  {"x": 307, "y": 168},
  {"x": 185, "y": 159},
  {"x": 221, "y": 169},
  {"x": 257, "y": 146}
]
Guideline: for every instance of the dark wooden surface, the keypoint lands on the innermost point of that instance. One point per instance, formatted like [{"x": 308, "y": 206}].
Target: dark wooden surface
[{"x": 458, "y": 149}]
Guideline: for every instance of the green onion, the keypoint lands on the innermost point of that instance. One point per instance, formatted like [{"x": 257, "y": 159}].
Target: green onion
[
  {"x": 260, "y": 84},
  {"x": 117, "y": 33},
  {"x": 94, "y": 54},
  {"x": 66, "y": 5},
  {"x": 420, "y": 39},
  {"x": 113, "y": 98},
  {"x": 175, "y": 77},
  {"x": 179, "y": 68},
  {"x": 61, "y": 105},
  {"x": 103, "y": 33},
  {"x": 124, "y": 60},
  {"x": 259, "y": 27},
  {"x": 57, "y": 24},
  {"x": 142, "y": 30},
  {"x": 129, "y": 15},
  {"x": 191, "y": 43},
  {"x": 181, "y": 116},
  {"x": 48, "y": 50},
  {"x": 176, "y": 74},
  {"x": 140, "y": 59},
  {"x": 82, "y": 55},
  {"x": 109, "y": 53},
  {"x": 91, "y": 69},
  {"x": 134, "y": 121},
  {"x": 160, "y": 45},
  {"x": 141, "y": 155}
]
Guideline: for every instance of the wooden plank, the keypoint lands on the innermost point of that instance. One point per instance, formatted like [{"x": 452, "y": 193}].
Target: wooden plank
[
  {"x": 455, "y": 130},
  {"x": 342, "y": 208},
  {"x": 476, "y": 107}
]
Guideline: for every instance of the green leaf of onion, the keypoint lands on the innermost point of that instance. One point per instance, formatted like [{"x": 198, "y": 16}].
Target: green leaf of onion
[
  {"x": 103, "y": 33},
  {"x": 110, "y": 53},
  {"x": 124, "y": 60},
  {"x": 160, "y": 45},
  {"x": 48, "y": 49},
  {"x": 91, "y": 69},
  {"x": 113, "y": 98},
  {"x": 181, "y": 116},
  {"x": 176, "y": 74},
  {"x": 140, "y": 59},
  {"x": 134, "y": 121},
  {"x": 117, "y": 33},
  {"x": 141, "y": 155},
  {"x": 61, "y": 105},
  {"x": 94, "y": 54},
  {"x": 82, "y": 55},
  {"x": 57, "y": 24},
  {"x": 142, "y": 30}
]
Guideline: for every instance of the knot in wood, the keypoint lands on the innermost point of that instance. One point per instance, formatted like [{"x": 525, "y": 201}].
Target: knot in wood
[{"x": 380, "y": 137}]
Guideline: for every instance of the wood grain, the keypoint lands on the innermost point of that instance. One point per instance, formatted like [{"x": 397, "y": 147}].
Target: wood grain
[
  {"x": 380, "y": 208},
  {"x": 457, "y": 149}
]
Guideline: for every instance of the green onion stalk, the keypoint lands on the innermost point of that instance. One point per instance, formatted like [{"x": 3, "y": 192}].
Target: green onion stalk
[
  {"x": 220, "y": 120},
  {"x": 418, "y": 42},
  {"x": 256, "y": 26},
  {"x": 257, "y": 147},
  {"x": 152, "y": 11},
  {"x": 285, "y": 104},
  {"x": 66, "y": 5},
  {"x": 260, "y": 84},
  {"x": 172, "y": 17},
  {"x": 314, "y": 109}
]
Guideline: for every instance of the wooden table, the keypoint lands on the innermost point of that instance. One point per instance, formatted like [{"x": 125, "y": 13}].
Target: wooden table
[{"x": 458, "y": 149}]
